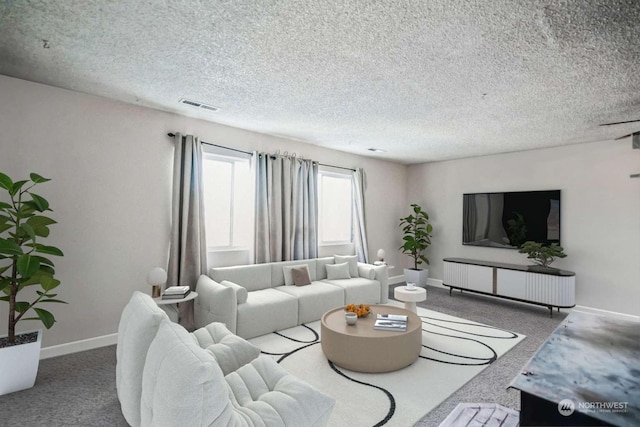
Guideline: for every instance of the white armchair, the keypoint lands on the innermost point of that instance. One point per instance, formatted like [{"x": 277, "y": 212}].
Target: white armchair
[{"x": 182, "y": 385}]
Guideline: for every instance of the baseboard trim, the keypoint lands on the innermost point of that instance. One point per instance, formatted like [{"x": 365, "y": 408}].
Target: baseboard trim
[
  {"x": 77, "y": 346},
  {"x": 394, "y": 280},
  {"x": 436, "y": 283},
  {"x": 608, "y": 313}
]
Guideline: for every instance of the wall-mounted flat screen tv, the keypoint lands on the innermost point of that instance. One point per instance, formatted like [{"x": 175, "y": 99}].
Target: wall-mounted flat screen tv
[{"x": 508, "y": 219}]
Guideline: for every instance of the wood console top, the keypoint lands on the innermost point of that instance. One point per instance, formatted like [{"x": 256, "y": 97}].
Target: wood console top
[{"x": 527, "y": 268}]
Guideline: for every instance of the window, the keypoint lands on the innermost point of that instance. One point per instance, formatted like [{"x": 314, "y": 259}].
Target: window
[
  {"x": 334, "y": 208},
  {"x": 228, "y": 200}
]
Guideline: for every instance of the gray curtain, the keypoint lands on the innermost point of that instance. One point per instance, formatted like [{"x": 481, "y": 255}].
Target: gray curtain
[
  {"x": 359, "y": 224},
  {"x": 286, "y": 220},
  {"x": 187, "y": 251}
]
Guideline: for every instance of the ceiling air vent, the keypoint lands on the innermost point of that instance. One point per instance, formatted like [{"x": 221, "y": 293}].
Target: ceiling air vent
[{"x": 197, "y": 104}]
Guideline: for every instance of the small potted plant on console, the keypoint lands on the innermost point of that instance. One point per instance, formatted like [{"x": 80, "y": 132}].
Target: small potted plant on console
[{"x": 542, "y": 255}]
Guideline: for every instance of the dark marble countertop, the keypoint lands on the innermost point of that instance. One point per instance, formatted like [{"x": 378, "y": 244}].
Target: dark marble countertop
[{"x": 592, "y": 360}]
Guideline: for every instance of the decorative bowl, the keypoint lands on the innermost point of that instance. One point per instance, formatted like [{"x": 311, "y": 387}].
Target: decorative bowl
[{"x": 362, "y": 310}]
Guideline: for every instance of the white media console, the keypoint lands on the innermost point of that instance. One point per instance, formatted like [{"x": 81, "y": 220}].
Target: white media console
[{"x": 552, "y": 288}]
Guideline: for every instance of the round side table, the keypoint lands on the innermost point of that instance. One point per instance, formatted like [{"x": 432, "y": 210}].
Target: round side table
[
  {"x": 170, "y": 306},
  {"x": 410, "y": 297}
]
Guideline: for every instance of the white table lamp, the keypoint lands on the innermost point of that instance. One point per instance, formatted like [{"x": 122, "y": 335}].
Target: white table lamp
[
  {"x": 156, "y": 278},
  {"x": 381, "y": 254}
]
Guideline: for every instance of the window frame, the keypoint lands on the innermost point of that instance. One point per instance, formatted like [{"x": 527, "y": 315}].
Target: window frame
[
  {"x": 330, "y": 172},
  {"x": 213, "y": 153}
]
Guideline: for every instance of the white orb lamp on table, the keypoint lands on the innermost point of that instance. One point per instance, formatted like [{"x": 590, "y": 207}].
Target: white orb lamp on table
[
  {"x": 156, "y": 278},
  {"x": 380, "y": 254}
]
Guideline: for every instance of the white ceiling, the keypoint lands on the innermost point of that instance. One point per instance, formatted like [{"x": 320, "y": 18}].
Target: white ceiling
[{"x": 424, "y": 80}]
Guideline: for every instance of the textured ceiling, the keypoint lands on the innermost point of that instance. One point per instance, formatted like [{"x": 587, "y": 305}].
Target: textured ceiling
[{"x": 423, "y": 80}]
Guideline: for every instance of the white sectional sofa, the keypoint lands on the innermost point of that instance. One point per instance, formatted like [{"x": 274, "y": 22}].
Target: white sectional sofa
[
  {"x": 166, "y": 376},
  {"x": 253, "y": 300}
]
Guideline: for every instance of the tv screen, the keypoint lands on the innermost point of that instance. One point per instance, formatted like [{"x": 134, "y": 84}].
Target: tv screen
[{"x": 507, "y": 220}]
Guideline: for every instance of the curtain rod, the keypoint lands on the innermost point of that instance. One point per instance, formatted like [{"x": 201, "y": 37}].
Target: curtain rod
[
  {"x": 216, "y": 145},
  {"x": 247, "y": 152}
]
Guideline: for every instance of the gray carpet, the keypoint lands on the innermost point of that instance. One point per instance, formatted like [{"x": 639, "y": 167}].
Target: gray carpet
[{"x": 79, "y": 389}]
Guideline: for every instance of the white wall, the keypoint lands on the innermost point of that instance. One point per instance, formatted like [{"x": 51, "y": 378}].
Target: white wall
[
  {"x": 111, "y": 168},
  {"x": 600, "y": 212}
]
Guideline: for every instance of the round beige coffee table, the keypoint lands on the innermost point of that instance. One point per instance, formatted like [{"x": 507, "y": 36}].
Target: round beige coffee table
[
  {"x": 410, "y": 296},
  {"x": 361, "y": 348}
]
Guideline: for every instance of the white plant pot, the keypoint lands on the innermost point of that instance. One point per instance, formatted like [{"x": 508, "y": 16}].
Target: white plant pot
[
  {"x": 419, "y": 277},
  {"x": 19, "y": 365}
]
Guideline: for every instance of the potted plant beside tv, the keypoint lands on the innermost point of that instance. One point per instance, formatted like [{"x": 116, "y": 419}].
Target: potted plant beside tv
[
  {"x": 417, "y": 238},
  {"x": 542, "y": 255},
  {"x": 26, "y": 278}
]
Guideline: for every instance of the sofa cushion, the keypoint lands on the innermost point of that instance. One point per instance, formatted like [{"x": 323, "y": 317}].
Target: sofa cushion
[
  {"x": 321, "y": 267},
  {"x": 338, "y": 271},
  {"x": 215, "y": 303},
  {"x": 139, "y": 323},
  {"x": 252, "y": 277},
  {"x": 281, "y": 271},
  {"x": 358, "y": 290},
  {"x": 265, "y": 394},
  {"x": 300, "y": 276},
  {"x": 241, "y": 292},
  {"x": 315, "y": 299},
  {"x": 229, "y": 350},
  {"x": 265, "y": 311},
  {"x": 367, "y": 271},
  {"x": 287, "y": 272},
  {"x": 352, "y": 260},
  {"x": 182, "y": 384}
]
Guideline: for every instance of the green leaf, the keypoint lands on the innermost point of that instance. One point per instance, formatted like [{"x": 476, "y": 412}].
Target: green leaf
[
  {"x": 27, "y": 208},
  {"x": 48, "y": 283},
  {"x": 43, "y": 260},
  {"x": 40, "y": 202},
  {"x": 15, "y": 188},
  {"x": 21, "y": 306},
  {"x": 49, "y": 250},
  {"x": 39, "y": 224},
  {"x": 39, "y": 220},
  {"x": 10, "y": 247},
  {"x": 5, "y": 298},
  {"x": 5, "y": 182},
  {"x": 27, "y": 265},
  {"x": 37, "y": 178},
  {"x": 4, "y": 205},
  {"x": 4, "y": 283},
  {"x": 54, "y": 300},
  {"x": 4, "y": 227},
  {"x": 46, "y": 317},
  {"x": 29, "y": 230},
  {"x": 48, "y": 270}
]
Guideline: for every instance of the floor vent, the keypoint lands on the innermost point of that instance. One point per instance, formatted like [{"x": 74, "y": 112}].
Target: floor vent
[{"x": 197, "y": 104}]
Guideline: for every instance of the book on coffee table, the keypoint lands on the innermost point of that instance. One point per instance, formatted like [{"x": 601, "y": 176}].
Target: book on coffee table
[
  {"x": 396, "y": 317},
  {"x": 386, "y": 325},
  {"x": 391, "y": 322}
]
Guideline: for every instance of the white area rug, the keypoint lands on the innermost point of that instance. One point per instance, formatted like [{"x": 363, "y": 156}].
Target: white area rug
[{"x": 454, "y": 351}]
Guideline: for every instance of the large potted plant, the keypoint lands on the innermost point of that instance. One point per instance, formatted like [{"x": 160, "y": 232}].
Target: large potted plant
[
  {"x": 417, "y": 238},
  {"x": 24, "y": 264}
]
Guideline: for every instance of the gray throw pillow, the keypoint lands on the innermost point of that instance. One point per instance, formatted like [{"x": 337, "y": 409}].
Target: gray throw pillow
[{"x": 300, "y": 276}]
